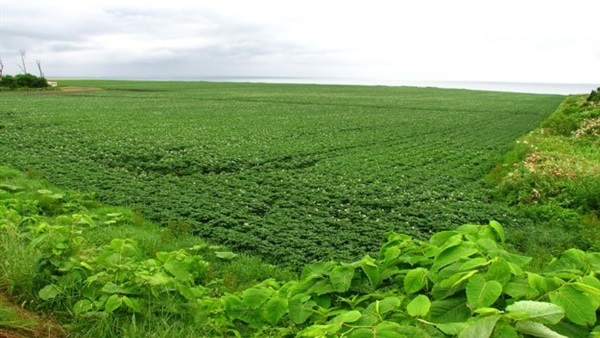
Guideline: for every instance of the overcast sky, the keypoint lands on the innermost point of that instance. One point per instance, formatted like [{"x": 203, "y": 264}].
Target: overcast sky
[{"x": 432, "y": 40}]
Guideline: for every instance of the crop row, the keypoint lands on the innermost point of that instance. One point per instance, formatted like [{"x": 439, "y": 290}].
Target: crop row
[{"x": 294, "y": 173}]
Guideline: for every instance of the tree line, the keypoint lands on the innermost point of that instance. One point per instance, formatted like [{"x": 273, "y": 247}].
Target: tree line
[{"x": 25, "y": 79}]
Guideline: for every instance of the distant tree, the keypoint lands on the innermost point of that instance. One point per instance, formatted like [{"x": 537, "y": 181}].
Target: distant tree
[
  {"x": 23, "y": 65},
  {"x": 1, "y": 68},
  {"x": 39, "y": 65}
]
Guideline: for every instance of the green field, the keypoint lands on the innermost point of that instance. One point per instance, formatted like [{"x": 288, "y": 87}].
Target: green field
[{"x": 292, "y": 173}]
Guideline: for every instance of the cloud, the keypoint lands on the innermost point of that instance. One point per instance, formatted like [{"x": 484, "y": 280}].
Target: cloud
[{"x": 494, "y": 40}]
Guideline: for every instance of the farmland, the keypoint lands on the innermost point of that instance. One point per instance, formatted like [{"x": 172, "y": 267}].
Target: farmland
[{"x": 292, "y": 173}]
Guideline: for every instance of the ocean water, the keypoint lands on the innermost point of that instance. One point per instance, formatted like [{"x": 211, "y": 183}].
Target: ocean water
[{"x": 519, "y": 87}]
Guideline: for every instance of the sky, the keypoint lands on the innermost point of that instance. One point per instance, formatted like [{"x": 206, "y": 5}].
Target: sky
[{"x": 429, "y": 40}]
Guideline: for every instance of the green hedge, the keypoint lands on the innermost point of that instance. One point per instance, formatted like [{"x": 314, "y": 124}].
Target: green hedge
[{"x": 23, "y": 81}]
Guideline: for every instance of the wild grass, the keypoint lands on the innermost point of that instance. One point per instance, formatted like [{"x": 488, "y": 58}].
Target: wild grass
[
  {"x": 18, "y": 263},
  {"x": 16, "y": 322},
  {"x": 553, "y": 175}
]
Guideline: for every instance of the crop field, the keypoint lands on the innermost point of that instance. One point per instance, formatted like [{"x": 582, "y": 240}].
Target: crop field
[{"x": 292, "y": 173}]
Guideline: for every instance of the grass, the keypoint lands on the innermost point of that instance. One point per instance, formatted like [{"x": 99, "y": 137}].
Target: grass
[
  {"x": 16, "y": 322},
  {"x": 553, "y": 176}
]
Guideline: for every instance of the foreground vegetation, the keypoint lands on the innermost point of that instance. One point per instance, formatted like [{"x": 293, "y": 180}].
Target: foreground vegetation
[
  {"x": 292, "y": 173},
  {"x": 60, "y": 254},
  {"x": 54, "y": 244}
]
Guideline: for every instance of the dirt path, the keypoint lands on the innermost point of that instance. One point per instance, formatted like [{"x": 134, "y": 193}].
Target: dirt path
[{"x": 79, "y": 89}]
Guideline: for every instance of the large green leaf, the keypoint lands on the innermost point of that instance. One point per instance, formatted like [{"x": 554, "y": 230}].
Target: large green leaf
[
  {"x": 456, "y": 279},
  {"x": 370, "y": 268},
  {"x": 487, "y": 244},
  {"x": 569, "y": 329},
  {"x": 452, "y": 329},
  {"x": 516, "y": 262},
  {"x": 499, "y": 271},
  {"x": 299, "y": 309},
  {"x": 577, "y": 305},
  {"x": 518, "y": 290},
  {"x": 320, "y": 330},
  {"x": 444, "y": 238},
  {"x": 542, "y": 312},
  {"x": 391, "y": 254},
  {"x": 537, "y": 330},
  {"x": 419, "y": 306},
  {"x": 474, "y": 263},
  {"x": 190, "y": 293},
  {"x": 159, "y": 278},
  {"x": 255, "y": 297},
  {"x": 482, "y": 293},
  {"x": 49, "y": 291},
  {"x": 415, "y": 280},
  {"x": 321, "y": 287},
  {"x": 179, "y": 270},
  {"x": 498, "y": 230},
  {"x": 232, "y": 303},
  {"x": 594, "y": 260},
  {"x": 346, "y": 317},
  {"x": 388, "y": 304},
  {"x": 450, "y": 310},
  {"x": 592, "y": 282},
  {"x": 132, "y": 303},
  {"x": 482, "y": 328},
  {"x": 275, "y": 309},
  {"x": 591, "y": 286},
  {"x": 542, "y": 284},
  {"x": 112, "y": 303},
  {"x": 82, "y": 306},
  {"x": 504, "y": 330},
  {"x": 361, "y": 333},
  {"x": 388, "y": 329},
  {"x": 571, "y": 261},
  {"x": 226, "y": 255},
  {"x": 317, "y": 269},
  {"x": 452, "y": 255},
  {"x": 341, "y": 278},
  {"x": 111, "y": 288}
]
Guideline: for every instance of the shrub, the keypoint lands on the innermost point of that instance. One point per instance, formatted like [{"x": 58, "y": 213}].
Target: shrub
[
  {"x": 8, "y": 81},
  {"x": 23, "y": 81},
  {"x": 594, "y": 96}
]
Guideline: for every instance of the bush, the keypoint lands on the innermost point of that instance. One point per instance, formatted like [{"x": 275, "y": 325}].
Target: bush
[
  {"x": 594, "y": 96},
  {"x": 8, "y": 81},
  {"x": 23, "y": 81}
]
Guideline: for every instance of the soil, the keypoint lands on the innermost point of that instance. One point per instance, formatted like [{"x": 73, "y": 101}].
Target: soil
[{"x": 79, "y": 89}]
